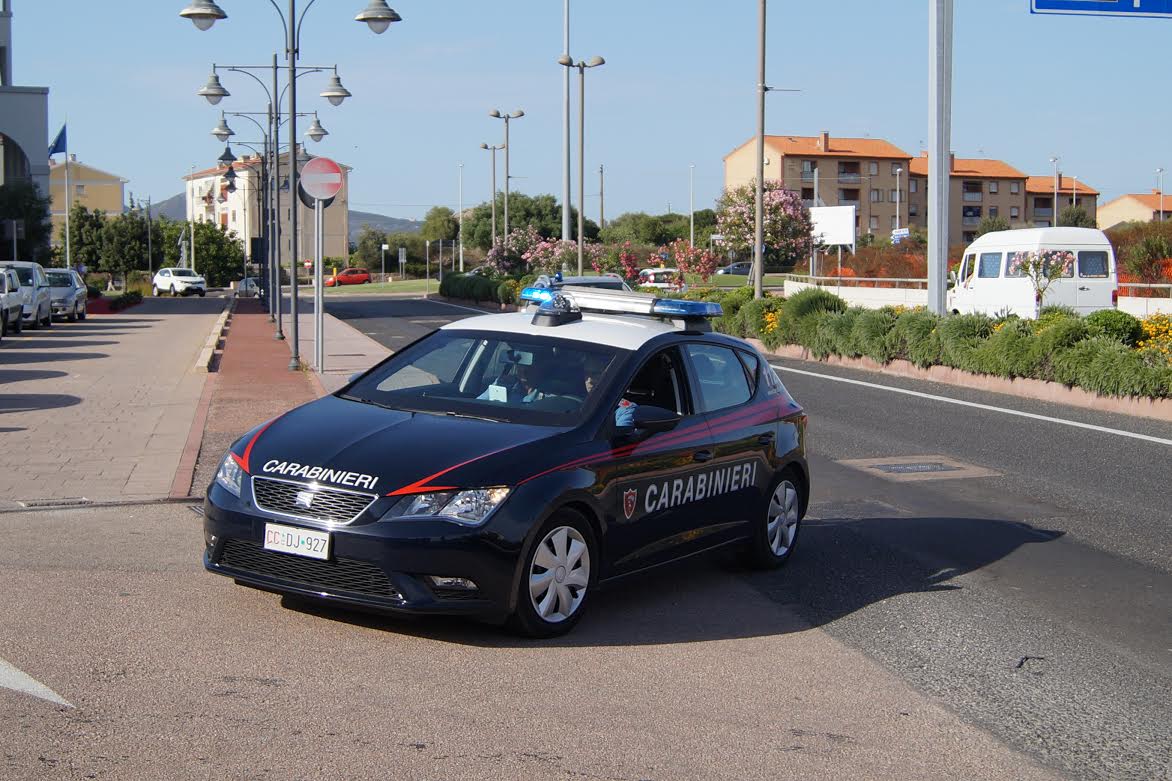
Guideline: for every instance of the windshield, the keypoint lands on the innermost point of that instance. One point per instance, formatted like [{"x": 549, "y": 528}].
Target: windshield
[
  {"x": 60, "y": 279},
  {"x": 516, "y": 378},
  {"x": 25, "y": 273},
  {"x": 183, "y": 272}
]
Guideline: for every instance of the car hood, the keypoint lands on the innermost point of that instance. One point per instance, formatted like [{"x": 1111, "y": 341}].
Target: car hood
[
  {"x": 60, "y": 292},
  {"x": 364, "y": 447}
]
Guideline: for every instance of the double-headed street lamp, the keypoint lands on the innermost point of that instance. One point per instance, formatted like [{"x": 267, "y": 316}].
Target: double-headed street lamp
[
  {"x": 581, "y": 65},
  {"x": 496, "y": 114},
  {"x": 493, "y": 149},
  {"x": 378, "y": 16}
]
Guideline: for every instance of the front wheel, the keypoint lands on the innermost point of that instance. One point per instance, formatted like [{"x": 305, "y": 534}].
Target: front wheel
[
  {"x": 202, "y": 293},
  {"x": 47, "y": 322},
  {"x": 173, "y": 293},
  {"x": 155, "y": 291},
  {"x": 558, "y": 574},
  {"x": 775, "y": 532},
  {"x": 72, "y": 316},
  {"x": 81, "y": 311}
]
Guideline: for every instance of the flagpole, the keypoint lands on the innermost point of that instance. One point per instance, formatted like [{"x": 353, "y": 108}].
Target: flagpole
[{"x": 68, "y": 254}]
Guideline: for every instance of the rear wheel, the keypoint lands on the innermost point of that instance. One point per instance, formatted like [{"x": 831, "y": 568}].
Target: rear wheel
[
  {"x": 775, "y": 532},
  {"x": 202, "y": 293},
  {"x": 557, "y": 575},
  {"x": 81, "y": 311},
  {"x": 72, "y": 317},
  {"x": 48, "y": 321}
]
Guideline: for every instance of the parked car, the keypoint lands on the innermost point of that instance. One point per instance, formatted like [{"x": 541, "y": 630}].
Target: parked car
[
  {"x": 67, "y": 293},
  {"x": 349, "y": 276},
  {"x": 662, "y": 278},
  {"x": 744, "y": 268},
  {"x": 178, "y": 282},
  {"x": 991, "y": 280},
  {"x": 248, "y": 287},
  {"x": 34, "y": 286},
  {"x": 11, "y": 302}
]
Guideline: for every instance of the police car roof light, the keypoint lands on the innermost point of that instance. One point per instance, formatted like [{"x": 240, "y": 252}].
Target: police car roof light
[
  {"x": 557, "y": 310},
  {"x": 592, "y": 299},
  {"x": 674, "y": 307},
  {"x": 539, "y": 294}
]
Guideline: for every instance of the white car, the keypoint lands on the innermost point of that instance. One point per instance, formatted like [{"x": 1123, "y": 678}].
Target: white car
[
  {"x": 34, "y": 287},
  {"x": 178, "y": 282},
  {"x": 11, "y": 302},
  {"x": 662, "y": 279},
  {"x": 67, "y": 293}
]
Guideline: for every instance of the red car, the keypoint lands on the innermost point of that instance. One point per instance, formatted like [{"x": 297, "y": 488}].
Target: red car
[{"x": 350, "y": 276}]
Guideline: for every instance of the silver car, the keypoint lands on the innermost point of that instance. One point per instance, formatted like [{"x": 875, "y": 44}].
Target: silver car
[
  {"x": 34, "y": 286},
  {"x": 11, "y": 302},
  {"x": 67, "y": 293}
]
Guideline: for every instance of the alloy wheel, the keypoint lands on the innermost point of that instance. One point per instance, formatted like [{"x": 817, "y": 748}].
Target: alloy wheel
[
  {"x": 784, "y": 512},
  {"x": 559, "y": 574}
]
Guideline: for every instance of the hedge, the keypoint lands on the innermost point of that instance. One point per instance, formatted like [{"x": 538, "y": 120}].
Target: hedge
[
  {"x": 125, "y": 300},
  {"x": 470, "y": 286}
]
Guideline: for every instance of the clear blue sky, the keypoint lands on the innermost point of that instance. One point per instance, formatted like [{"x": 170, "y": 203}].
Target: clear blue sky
[{"x": 678, "y": 88}]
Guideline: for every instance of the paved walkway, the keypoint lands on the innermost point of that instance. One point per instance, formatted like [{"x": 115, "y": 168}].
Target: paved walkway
[
  {"x": 101, "y": 409},
  {"x": 347, "y": 349}
]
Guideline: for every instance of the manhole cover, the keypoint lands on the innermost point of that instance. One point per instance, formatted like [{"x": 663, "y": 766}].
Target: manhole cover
[{"x": 907, "y": 469}]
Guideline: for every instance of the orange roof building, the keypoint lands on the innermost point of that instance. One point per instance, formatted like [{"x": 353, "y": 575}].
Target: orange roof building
[{"x": 1136, "y": 207}]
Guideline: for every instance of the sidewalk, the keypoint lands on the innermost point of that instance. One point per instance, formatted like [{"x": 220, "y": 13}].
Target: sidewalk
[
  {"x": 253, "y": 384},
  {"x": 101, "y": 409},
  {"x": 348, "y": 350}
]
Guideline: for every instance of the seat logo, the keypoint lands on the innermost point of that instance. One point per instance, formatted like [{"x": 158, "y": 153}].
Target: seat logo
[
  {"x": 304, "y": 499},
  {"x": 630, "y": 500}
]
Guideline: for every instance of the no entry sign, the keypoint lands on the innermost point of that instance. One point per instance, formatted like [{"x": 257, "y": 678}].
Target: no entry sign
[{"x": 321, "y": 178}]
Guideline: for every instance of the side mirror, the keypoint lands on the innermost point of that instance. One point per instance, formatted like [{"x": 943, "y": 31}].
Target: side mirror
[
  {"x": 654, "y": 419},
  {"x": 952, "y": 277}
]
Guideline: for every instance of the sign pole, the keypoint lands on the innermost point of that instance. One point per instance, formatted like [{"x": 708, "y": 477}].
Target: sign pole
[
  {"x": 318, "y": 290},
  {"x": 939, "y": 165}
]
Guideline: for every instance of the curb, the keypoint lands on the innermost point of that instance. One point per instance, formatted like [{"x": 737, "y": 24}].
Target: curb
[
  {"x": 204, "y": 362},
  {"x": 1022, "y": 387},
  {"x": 185, "y": 472}
]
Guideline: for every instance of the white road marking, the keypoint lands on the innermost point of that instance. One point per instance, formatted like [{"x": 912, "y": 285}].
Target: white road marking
[
  {"x": 975, "y": 405},
  {"x": 12, "y": 678},
  {"x": 457, "y": 306}
]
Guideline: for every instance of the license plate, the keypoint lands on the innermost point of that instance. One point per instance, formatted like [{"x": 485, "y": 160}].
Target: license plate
[{"x": 298, "y": 541}]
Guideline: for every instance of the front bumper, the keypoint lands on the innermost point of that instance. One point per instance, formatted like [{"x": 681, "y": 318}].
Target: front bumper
[
  {"x": 62, "y": 308},
  {"x": 376, "y": 566}
]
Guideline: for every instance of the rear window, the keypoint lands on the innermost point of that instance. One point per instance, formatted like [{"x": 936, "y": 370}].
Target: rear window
[
  {"x": 1092, "y": 263},
  {"x": 990, "y": 265},
  {"x": 60, "y": 279}
]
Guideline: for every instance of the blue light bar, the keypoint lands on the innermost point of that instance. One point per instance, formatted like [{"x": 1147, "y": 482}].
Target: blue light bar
[
  {"x": 539, "y": 294},
  {"x": 674, "y": 307}
]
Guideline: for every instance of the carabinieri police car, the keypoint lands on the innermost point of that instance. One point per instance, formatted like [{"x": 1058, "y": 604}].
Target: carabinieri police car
[{"x": 505, "y": 466}]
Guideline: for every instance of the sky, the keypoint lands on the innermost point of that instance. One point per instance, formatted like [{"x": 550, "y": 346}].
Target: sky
[{"x": 677, "y": 89}]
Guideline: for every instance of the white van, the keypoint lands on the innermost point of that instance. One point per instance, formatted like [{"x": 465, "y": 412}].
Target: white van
[{"x": 988, "y": 282}]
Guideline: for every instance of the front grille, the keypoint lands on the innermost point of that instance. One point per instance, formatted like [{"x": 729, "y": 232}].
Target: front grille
[
  {"x": 331, "y": 505},
  {"x": 336, "y": 575}
]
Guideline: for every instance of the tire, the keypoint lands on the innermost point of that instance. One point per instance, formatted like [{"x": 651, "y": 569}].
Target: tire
[
  {"x": 547, "y": 607},
  {"x": 72, "y": 316},
  {"x": 81, "y": 312},
  {"x": 48, "y": 321},
  {"x": 173, "y": 293},
  {"x": 155, "y": 291},
  {"x": 202, "y": 293},
  {"x": 777, "y": 527},
  {"x": 18, "y": 326}
]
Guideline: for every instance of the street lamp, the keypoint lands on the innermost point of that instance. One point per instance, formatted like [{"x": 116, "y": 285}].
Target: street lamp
[
  {"x": 1055, "y": 160},
  {"x": 1160, "y": 190},
  {"x": 493, "y": 149},
  {"x": 221, "y": 131},
  {"x": 691, "y": 205},
  {"x": 1073, "y": 191},
  {"x": 205, "y": 13},
  {"x": 898, "y": 195},
  {"x": 316, "y": 131},
  {"x": 227, "y": 158},
  {"x": 581, "y": 65},
  {"x": 214, "y": 91},
  {"x": 496, "y": 114}
]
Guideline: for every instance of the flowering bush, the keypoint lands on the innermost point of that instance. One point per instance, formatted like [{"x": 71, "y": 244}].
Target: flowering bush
[
  {"x": 1157, "y": 335},
  {"x": 688, "y": 259},
  {"x": 787, "y": 222},
  {"x": 511, "y": 260},
  {"x": 1042, "y": 268},
  {"x": 629, "y": 261}
]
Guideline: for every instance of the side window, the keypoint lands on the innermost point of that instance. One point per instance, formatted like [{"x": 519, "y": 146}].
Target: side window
[
  {"x": 967, "y": 267},
  {"x": 165, "y": 272},
  {"x": 752, "y": 367},
  {"x": 659, "y": 383},
  {"x": 1092, "y": 264},
  {"x": 719, "y": 376},
  {"x": 990, "y": 267}
]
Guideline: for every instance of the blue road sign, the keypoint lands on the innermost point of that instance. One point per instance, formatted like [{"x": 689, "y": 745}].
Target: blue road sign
[{"x": 1141, "y": 8}]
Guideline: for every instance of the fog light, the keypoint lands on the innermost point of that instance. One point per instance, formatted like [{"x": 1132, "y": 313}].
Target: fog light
[
  {"x": 453, "y": 584},
  {"x": 209, "y": 540}
]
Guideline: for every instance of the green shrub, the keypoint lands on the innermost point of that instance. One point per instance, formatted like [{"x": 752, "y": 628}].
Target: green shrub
[
  {"x": 1116, "y": 325},
  {"x": 1108, "y": 367},
  {"x": 914, "y": 338},
  {"x": 1009, "y": 352},
  {"x": 125, "y": 300},
  {"x": 832, "y": 333},
  {"x": 507, "y": 291},
  {"x": 812, "y": 300},
  {"x": 473, "y": 287},
  {"x": 750, "y": 319},
  {"x": 1047, "y": 343},
  {"x": 960, "y": 336},
  {"x": 869, "y": 336}
]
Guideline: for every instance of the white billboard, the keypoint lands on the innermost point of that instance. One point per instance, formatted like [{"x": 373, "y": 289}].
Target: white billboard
[{"x": 834, "y": 226}]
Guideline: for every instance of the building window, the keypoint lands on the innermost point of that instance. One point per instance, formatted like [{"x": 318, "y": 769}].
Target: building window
[
  {"x": 913, "y": 210},
  {"x": 894, "y": 222},
  {"x": 1014, "y": 213},
  {"x": 913, "y": 185},
  {"x": 873, "y": 168},
  {"x": 972, "y": 192},
  {"x": 895, "y": 196},
  {"x": 994, "y": 211},
  {"x": 848, "y": 173},
  {"x": 874, "y": 223},
  {"x": 895, "y": 169},
  {"x": 992, "y": 188},
  {"x": 848, "y": 197},
  {"x": 971, "y": 215},
  {"x": 79, "y": 190},
  {"x": 1014, "y": 188},
  {"x": 808, "y": 170},
  {"x": 876, "y": 196},
  {"x": 808, "y": 196}
]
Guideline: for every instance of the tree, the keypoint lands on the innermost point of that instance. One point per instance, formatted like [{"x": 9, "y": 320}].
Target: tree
[
  {"x": 1075, "y": 217},
  {"x": 85, "y": 236},
  {"x": 540, "y": 212},
  {"x": 990, "y": 224},
  {"x": 21, "y": 200},
  {"x": 787, "y": 223},
  {"x": 368, "y": 251},
  {"x": 123, "y": 245},
  {"x": 440, "y": 224},
  {"x": 219, "y": 256}
]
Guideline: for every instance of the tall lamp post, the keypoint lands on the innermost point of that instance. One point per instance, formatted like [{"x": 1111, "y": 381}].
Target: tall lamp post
[
  {"x": 581, "y": 65},
  {"x": 493, "y": 149},
  {"x": 566, "y": 124},
  {"x": 496, "y": 114},
  {"x": 898, "y": 196},
  {"x": 1160, "y": 190},
  {"x": 1073, "y": 191},
  {"x": 378, "y": 17},
  {"x": 691, "y": 205},
  {"x": 759, "y": 210},
  {"x": 1054, "y": 219}
]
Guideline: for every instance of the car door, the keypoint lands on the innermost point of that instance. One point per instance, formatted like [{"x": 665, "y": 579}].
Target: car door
[
  {"x": 1095, "y": 285},
  {"x": 644, "y": 487},
  {"x": 743, "y": 429}
]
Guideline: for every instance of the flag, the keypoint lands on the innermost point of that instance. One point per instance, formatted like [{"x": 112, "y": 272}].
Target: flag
[{"x": 60, "y": 144}]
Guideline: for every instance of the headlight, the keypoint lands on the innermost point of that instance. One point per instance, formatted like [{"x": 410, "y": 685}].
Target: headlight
[
  {"x": 230, "y": 475},
  {"x": 470, "y": 508}
]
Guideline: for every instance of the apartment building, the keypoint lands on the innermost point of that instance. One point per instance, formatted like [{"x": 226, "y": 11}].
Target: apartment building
[
  {"x": 1135, "y": 207},
  {"x": 1040, "y": 210},
  {"x": 978, "y": 188},
  {"x": 209, "y": 199},
  {"x": 91, "y": 187},
  {"x": 829, "y": 171}
]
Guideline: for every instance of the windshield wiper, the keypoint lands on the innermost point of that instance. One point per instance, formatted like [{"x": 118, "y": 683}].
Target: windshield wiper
[
  {"x": 361, "y": 400},
  {"x": 449, "y": 413}
]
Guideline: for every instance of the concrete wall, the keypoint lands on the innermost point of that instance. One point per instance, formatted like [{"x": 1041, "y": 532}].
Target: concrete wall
[
  {"x": 24, "y": 118},
  {"x": 867, "y": 297},
  {"x": 1142, "y": 307}
]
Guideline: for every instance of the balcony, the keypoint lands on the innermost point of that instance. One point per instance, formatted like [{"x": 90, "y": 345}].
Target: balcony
[
  {"x": 971, "y": 221},
  {"x": 1044, "y": 212},
  {"x": 848, "y": 178},
  {"x": 972, "y": 197},
  {"x": 848, "y": 201}
]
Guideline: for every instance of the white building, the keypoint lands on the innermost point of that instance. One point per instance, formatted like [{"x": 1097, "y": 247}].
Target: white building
[{"x": 24, "y": 118}]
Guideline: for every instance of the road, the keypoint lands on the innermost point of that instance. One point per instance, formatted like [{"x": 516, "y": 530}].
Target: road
[{"x": 1035, "y": 601}]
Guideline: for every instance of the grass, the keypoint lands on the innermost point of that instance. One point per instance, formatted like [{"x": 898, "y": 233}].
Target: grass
[
  {"x": 735, "y": 280},
  {"x": 398, "y": 286}
]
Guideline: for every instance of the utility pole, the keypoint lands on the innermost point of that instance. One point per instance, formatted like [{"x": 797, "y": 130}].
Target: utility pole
[
  {"x": 566, "y": 124},
  {"x": 759, "y": 216},
  {"x": 601, "y": 198},
  {"x": 939, "y": 165},
  {"x": 691, "y": 205},
  {"x": 461, "y": 229}
]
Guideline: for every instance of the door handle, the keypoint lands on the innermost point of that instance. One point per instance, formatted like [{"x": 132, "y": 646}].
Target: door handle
[
  {"x": 702, "y": 455},
  {"x": 1084, "y": 287},
  {"x": 765, "y": 439}
]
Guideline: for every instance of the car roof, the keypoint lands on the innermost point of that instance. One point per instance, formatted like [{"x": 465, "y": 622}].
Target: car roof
[
  {"x": 1037, "y": 236},
  {"x": 626, "y": 333},
  {"x": 22, "y": 264}
]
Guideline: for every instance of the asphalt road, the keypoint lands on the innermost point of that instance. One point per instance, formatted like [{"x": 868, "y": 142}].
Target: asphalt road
[{"x": 1034, "y": 601}]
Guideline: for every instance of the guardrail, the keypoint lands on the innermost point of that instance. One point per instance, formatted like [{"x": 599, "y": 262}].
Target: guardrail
[{"x": 898, "y": 282}]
